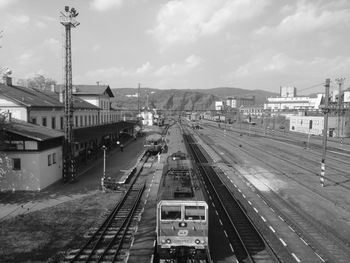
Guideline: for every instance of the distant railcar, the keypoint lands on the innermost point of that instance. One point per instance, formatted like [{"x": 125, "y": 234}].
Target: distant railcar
[
  {"x": 154, "y": 143},
  {"x": 182, "y": 213}
]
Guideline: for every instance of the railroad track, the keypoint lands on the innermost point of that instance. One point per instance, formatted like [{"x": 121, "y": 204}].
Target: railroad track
[
  {"x": 311, "y": 171},
  {"x": 323, "y": 242},
  {"x": 248, "y": 244},
  {"x": 106, "y": 243},
  {"x": 114, "y": 236}
]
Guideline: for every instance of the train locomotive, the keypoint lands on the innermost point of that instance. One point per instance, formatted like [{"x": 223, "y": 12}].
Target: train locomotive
[
  {"x": 154, "y": 143},
  {"x": 182, "y": 213}
]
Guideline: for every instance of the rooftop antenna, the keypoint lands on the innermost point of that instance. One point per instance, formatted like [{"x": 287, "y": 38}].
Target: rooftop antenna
[{"x": 67, "y": 19}]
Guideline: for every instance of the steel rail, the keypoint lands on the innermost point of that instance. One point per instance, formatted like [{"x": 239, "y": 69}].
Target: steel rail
[
  {"x": 125, "y": 224},
  {"x": 106, "y": 223},
  {"x": 244, "y": 232}
]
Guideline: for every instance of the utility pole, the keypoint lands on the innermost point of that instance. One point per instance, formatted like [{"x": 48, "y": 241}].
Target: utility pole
[
  {"x": 325, "y": 129},
  {"x": 340, "y": 82},
  {"x": 68, "y": 21},
  {"x": 138, "y": 101}
]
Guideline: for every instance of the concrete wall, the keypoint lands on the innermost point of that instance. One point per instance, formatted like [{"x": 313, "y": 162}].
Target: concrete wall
[
  {"x": 50, "y": 173},
  {"x": 301, "y": 124},
  {"x": 35, "y": 173}
]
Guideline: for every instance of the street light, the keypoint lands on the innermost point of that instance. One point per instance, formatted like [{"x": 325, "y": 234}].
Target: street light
[{"x": 104, "y": 148}]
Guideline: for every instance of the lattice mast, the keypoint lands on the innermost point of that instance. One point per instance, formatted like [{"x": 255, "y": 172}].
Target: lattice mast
[{"x": 68, "y": 20}]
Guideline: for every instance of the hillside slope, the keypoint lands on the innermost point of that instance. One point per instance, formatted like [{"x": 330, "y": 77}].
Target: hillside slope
[{"x": 176, "y": 99}]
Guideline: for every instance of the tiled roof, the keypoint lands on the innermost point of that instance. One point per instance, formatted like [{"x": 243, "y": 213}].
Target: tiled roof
[
  {"x": 39, "y": 98},
  {"x": 35, "y": 132},
  {"x": 88, "y": 89},
  {"x": 78, "y": 103},
  {"x": 28, "y": 97}
]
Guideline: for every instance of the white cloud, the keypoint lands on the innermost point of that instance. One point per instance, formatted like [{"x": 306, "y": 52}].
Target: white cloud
[
  {"x": 279, "y": 65},
  {"x": 187, "y": 20},
  {"x": 96, "y": 48},
  {"x": 144, "y": 68},
  {"x": 114, "y": 72},
  {"x": 306, "y": 18},
  {"x": 104, "y": 5},
  {"x": 53, "y": 45},
  {"x": 25, "y": 58},
  {"x": 4, "y": 3},
  {"x": 20, "y": 19},
  {"x": 41, "y": 24},
  {"x": 178, "y": 69}
]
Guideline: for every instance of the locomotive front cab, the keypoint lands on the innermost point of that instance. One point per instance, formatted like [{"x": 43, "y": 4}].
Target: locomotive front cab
[{"x": 182, "y": 229}]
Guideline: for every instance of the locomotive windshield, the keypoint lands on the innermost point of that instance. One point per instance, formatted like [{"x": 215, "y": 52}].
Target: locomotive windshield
[
  {"x": 170, "y": 212},
  {"x": 194, "y": 213}
]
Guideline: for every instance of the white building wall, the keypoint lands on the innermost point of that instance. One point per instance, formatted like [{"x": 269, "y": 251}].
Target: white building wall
[
  {"x": 301, "y": 124},
  {"x": 219, "y": 105},
  {"x": 35, "y": 173},
  {"x": 50, "y": 173},
  {"x": 48, "y": 114},
  {"x": 92, "y": 100},
  {"x": 17, "y": 111}
]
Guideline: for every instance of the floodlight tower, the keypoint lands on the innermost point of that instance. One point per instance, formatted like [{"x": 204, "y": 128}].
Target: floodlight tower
[{"x": 67, "y": 19}]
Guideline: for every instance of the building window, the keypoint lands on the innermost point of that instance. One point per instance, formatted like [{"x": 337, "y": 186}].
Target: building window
[
  {"x": 81, "y": 121},
  {"x": 53, "y": 122},
  {"x": 89, "y": 120},
  {"x": 49, "y": 161},
  {"x": 43, "y": 121},
  {"x": 54, "y": 158},
  {"x": 33, "y": 120},
  {"x": 61, "y": 123},
  {"x": 76, "y": 121},
  {"x": 85, "y": 119},
  {"x": 16, "y": 164}
]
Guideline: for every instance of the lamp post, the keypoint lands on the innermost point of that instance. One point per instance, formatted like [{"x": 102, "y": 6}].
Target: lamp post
[{"x": 104, "y": 148}]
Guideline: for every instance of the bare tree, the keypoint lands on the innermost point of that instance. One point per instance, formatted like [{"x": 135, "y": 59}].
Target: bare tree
[{"x": 38, "y": 82}]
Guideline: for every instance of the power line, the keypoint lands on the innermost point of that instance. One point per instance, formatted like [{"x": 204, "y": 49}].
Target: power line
[{"x": 313, "y": 86}]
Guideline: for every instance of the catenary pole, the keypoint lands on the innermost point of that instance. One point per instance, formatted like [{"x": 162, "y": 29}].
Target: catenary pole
[{"x": 325, "y": 129}]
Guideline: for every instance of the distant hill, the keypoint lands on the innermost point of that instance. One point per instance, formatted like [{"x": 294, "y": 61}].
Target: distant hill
[{"x": 176, "y": 99}]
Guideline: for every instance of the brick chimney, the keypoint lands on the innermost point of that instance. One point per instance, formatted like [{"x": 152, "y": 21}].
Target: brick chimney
[{"x": 7, "y": 80}]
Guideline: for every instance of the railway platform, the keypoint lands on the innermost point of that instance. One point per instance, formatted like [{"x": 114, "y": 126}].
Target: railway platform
[
  {"x": 143, "y": 247},
  {"x": 87, "y": 182}
]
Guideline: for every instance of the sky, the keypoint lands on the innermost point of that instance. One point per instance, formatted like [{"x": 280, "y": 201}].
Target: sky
[{"x": 182, "y": 44}]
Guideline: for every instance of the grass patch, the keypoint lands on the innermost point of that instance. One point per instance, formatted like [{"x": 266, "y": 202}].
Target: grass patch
[{"x": 48, "y": 233}]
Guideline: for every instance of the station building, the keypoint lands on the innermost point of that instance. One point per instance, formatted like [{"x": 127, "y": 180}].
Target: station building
[
  {"x": 288, "y": 101},
  {"x": 32, "y": 158},
  {"x": 92, "y": 126}
]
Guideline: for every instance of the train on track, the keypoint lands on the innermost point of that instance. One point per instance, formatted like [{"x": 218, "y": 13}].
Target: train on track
[
  {"x": 182, "y": 213},
  {"x": 154, "y": 143}
]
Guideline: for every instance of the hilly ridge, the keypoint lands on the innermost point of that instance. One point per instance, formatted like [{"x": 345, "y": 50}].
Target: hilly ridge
[{"x": 182, "y": 99}]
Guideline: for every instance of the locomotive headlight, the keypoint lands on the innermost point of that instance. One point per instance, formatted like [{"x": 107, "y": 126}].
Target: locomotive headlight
[
  {"x": 197, "y": 241},
  {"x": 168, "y": 241},
  {"x": 202, "y": 241},
  {"x": 163, "y": 241},
  {"x": 182, "y": 224}
]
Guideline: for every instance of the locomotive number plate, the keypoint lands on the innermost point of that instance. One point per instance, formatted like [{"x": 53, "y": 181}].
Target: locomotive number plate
[{"x": 182, "y": 233}]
